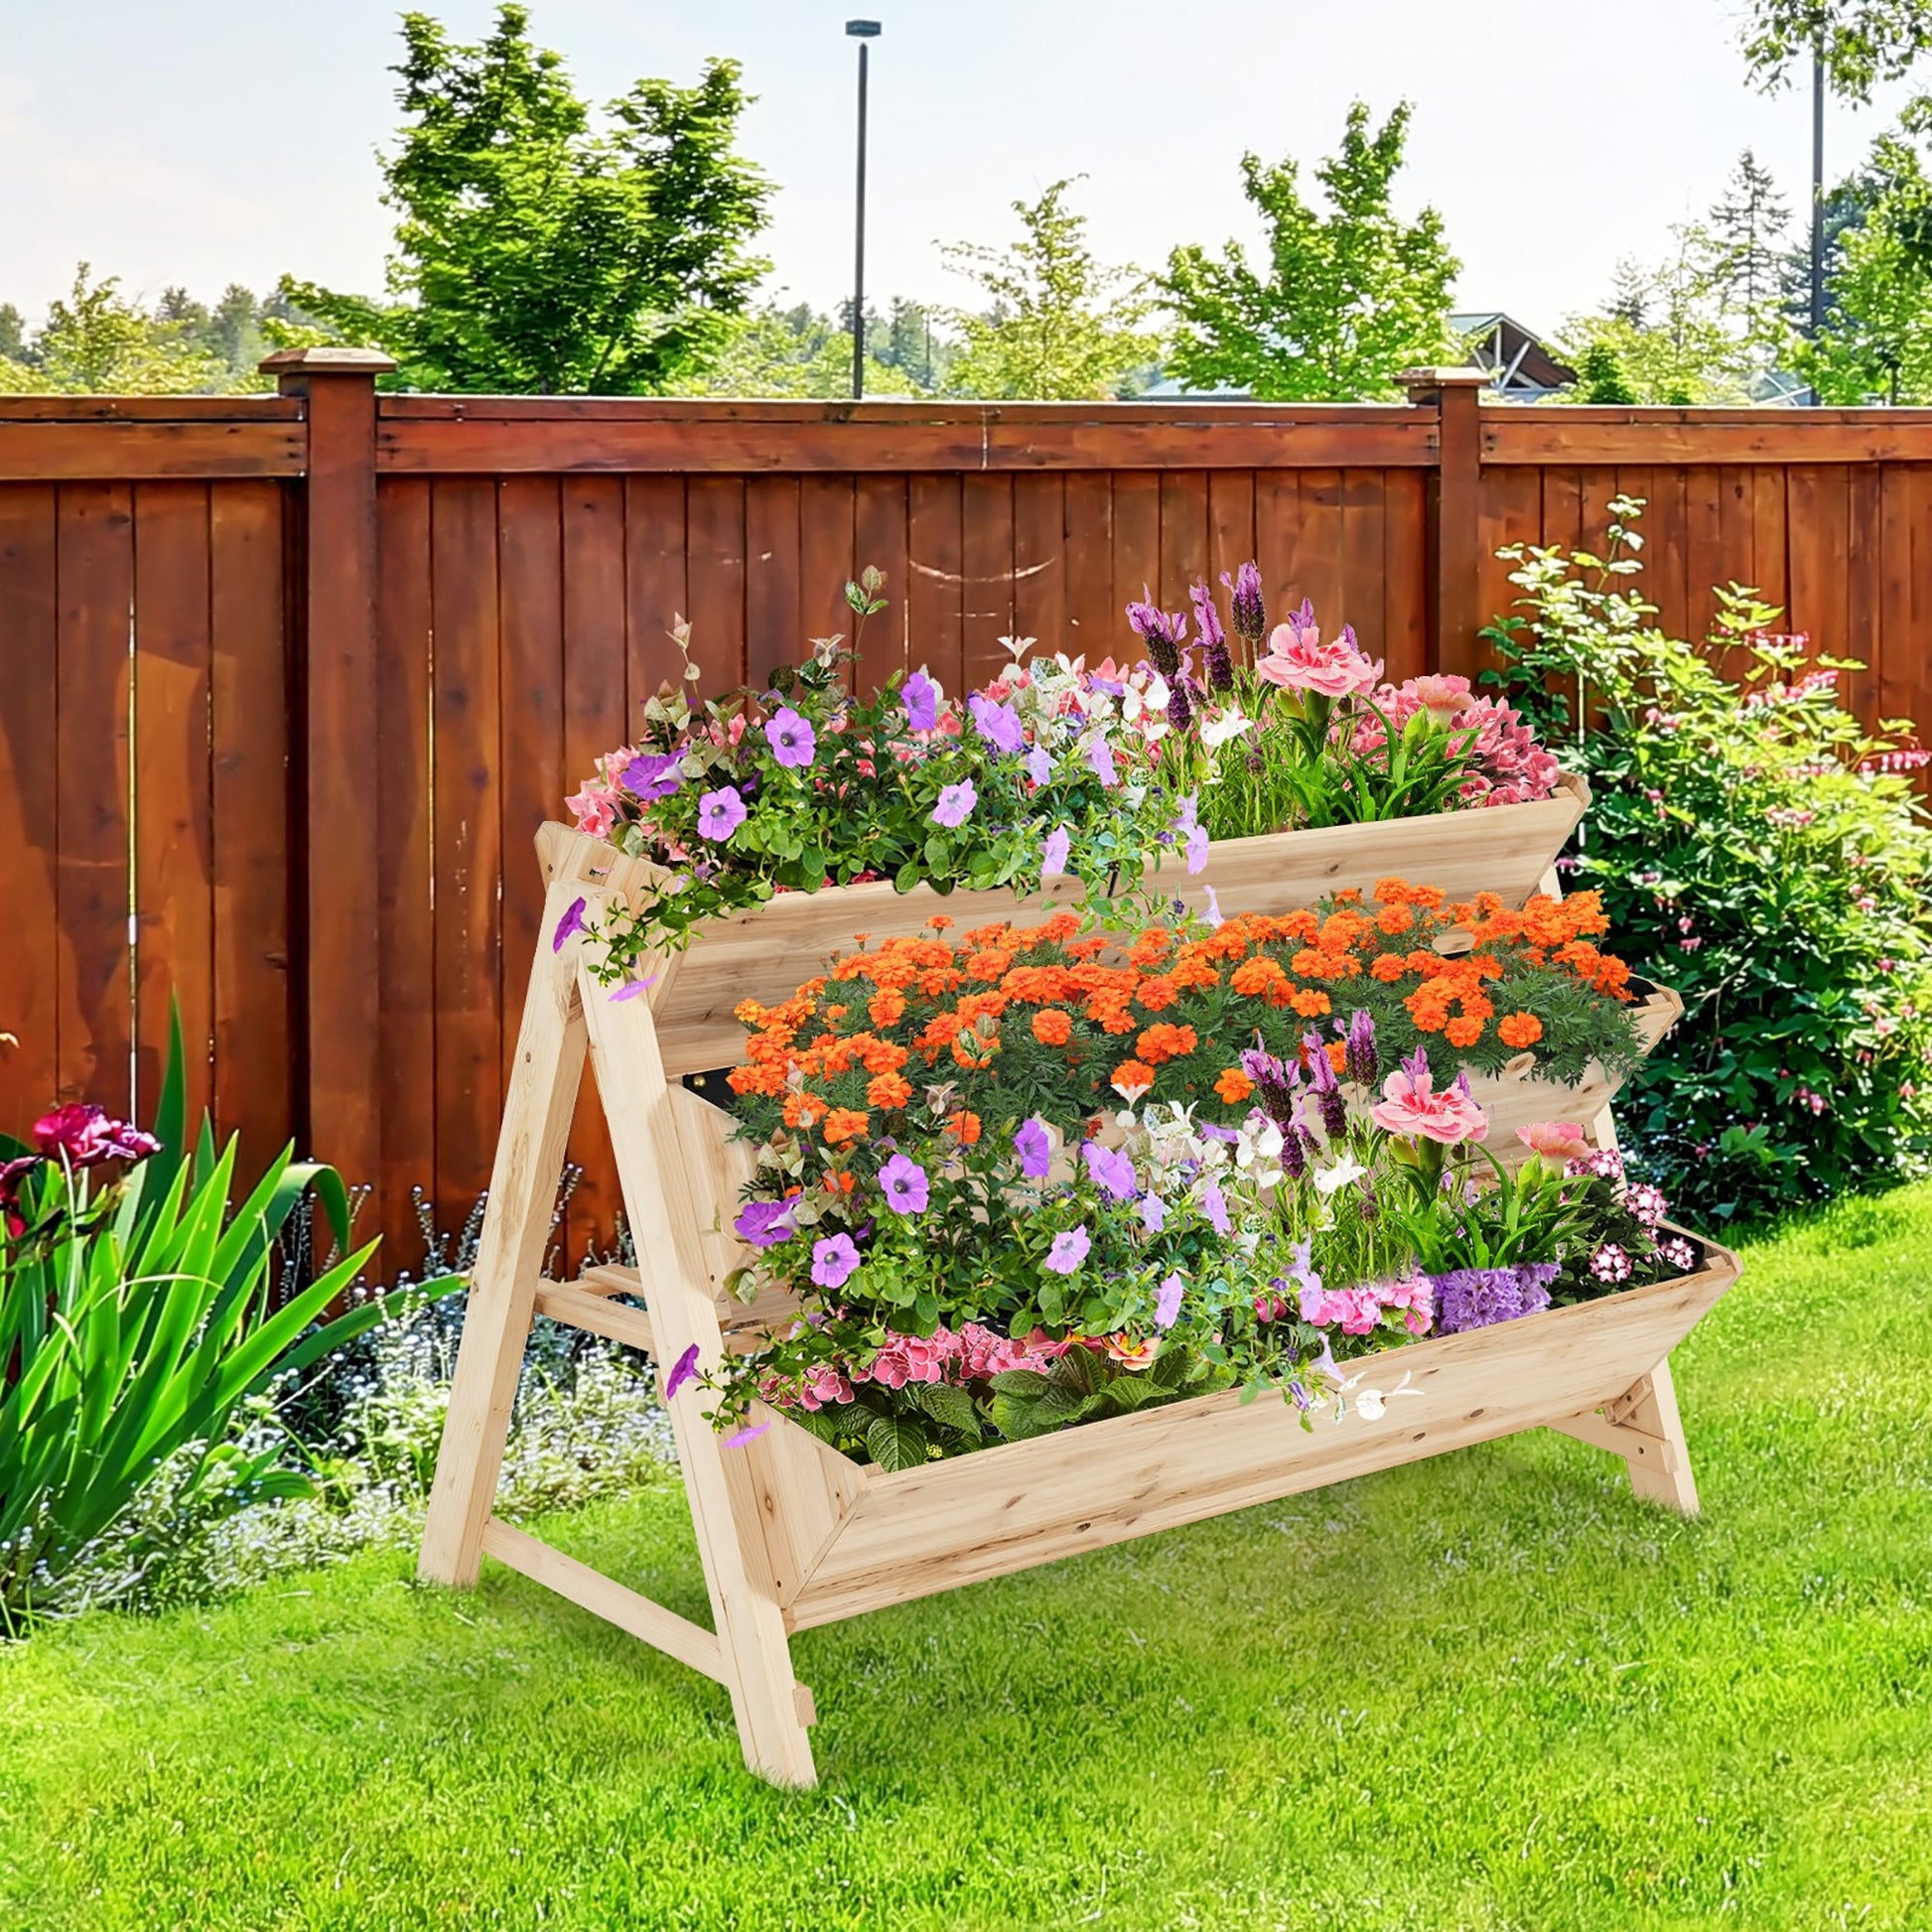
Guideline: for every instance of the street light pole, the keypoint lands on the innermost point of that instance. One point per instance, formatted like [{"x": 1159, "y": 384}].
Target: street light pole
[
  {"x": 1818, "y": 187},
  {"x": 862, "y": 30}
]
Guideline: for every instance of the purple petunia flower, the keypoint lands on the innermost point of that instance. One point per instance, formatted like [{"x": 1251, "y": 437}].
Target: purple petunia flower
[
  {"x": 833, "y": 1261},
  {"x": 1039, "y": 765},
  {"x": 1068, "y": 1251},
  {"x": 1100, "y": 756},
  {"x": 1215, "y": 1206},
  {"x": 572, "y": 921},
  {"x": 1154, "y": 1213},
  {"x": 1034, "y": 1147},
  {"x": 905, "y": 1186},
  {"x": 921, "y": 699},
  {"x": 630, "y": 989},
  {"x": 1112, "y": 1171},
  {"x": 721, "y": 813},
  {"x": 1166, "y": 1305},
  {"x": 655, "y": 774},
  {"x": 997, "y": 724},
  {"x": 765, "y": 1223},
  {"x": 683, "y": 1370},
  {"x": 750, "y": 1433},
  {"x": 1197, "y": 847},
  {"x": 793, "y": 742},
  {"x": 1479, "y": 1297},
  {"x": 955, "y": 804},
  {"x": 1213, "y": 913},
  {"x": 1053, "y": 853}
]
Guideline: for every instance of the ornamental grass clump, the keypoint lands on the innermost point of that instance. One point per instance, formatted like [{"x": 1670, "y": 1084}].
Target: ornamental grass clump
[
  {"x": 1761, "y": 852},
  {"x": 1034, "y": 1179}
]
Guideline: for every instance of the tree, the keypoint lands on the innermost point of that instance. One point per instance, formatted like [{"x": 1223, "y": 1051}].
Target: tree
[
  {"x": 13, "y": 333},
  {"x": 797, "y": 352},
  {"x": 1864, "y": 42},
  {"x": 1600, "y": 376},
  {"x": 1061, "y": 325},
  {"x": 1348, "y": 298},
  {"x": 1747, "y": 227},
  {"x": 1665, "y": 332},
  {"x": 98, "y": 343},
  {"x": 535, "y": 254}
]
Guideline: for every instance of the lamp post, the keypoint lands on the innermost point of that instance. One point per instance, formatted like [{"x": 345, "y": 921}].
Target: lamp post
[{"x": 861, "y": 30}]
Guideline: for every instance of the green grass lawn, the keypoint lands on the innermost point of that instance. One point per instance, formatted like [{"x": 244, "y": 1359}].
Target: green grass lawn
[{"x": 1486, "y": 1691}]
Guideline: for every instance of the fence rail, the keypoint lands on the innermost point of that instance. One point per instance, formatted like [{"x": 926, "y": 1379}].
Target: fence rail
[{"x": 287, "y": 682}]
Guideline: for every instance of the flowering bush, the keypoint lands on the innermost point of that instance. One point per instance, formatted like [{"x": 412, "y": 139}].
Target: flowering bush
[
  {"x": 1759, "y": 850},
  {"x": 1053, "y": 767},
  {"x": 995, "y": 1225}
]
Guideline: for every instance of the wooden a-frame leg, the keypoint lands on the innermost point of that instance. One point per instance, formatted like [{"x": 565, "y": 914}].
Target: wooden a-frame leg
[
  {"x": 766, "y": 1700},
  {"x": 550, "y": 1045},
  {"x": 1649, "y": 1408}
]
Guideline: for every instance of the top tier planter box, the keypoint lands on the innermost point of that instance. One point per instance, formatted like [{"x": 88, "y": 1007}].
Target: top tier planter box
[
  {"x": 794, "y": 1534},
  {"x": 764, "y": 953}
]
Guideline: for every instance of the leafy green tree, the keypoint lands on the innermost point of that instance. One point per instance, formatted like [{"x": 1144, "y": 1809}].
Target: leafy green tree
[
  {"x": 98, "y": 343},
  {"x": 1600, "y": 376},
  {"x": 794, "y": 353},
  {"x": 1665, "y": 330},
  {"x": 1060, "y": 324},
  {"x": 1749, "y": 227},
  {"x": 536, "y": 253},
  {"x": 1347, "y": 298},
  {"x": 13, "y": 333},
  {"x": 1864, "y": 42}
]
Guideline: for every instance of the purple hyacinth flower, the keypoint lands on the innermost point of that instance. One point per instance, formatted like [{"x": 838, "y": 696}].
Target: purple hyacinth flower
[
  {"x": 721, "y": 813},
  {"x": 683, "y": 1370},
  {"x": 1068, "y": 1251},
  {"x": 955, "y": 804},
  {"x": 921, "y": 699},
  {"x": 1100, "y": 756},
  {"x": 572, "y": 921},
  {"x": 1053, "y": 853},
  {"x": 765, "y": 1223},
  {"x": 1166, "y": 1305},
  {"x": 997, "y": 724},
  {"x": 905, "y": 1186},
  {"x": 794, "y": 741},
  {"x": 1479, "y": 1297},
  {"x": 1040, "y": 765},
  {"x": 1034, "y": 1147},
  {"x": 1112, "y": 1171},
  {"x": 833, "y": 1261},
  {"x": 655, "y": 774}
]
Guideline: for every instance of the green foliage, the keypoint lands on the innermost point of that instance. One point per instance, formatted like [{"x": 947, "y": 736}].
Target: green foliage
[
  {"x": 534, "y": 253},
  {"x": 1746, "y": 232},
  {"x": 795, "y": 352},
  {"x": 1602, "y": 378},
  {"x": 98, "y": 343},
  {"x": 1864, "y": 42},
  {"x": 134, "y": 1327},
  {"x": 1762, "y": 854},
  {"x": 1061, "y": 325},
  {"x": 1346, "y": 299}
]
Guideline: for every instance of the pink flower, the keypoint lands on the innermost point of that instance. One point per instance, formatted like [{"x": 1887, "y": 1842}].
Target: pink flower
[
  {"x": 1411, "y": 1106},
  {"x": 596, "y": 808},
  {"x": 1554, "y": 1140},
  {"x": 1440, "y": 694},
  {"x": 1298, "y": 660}
]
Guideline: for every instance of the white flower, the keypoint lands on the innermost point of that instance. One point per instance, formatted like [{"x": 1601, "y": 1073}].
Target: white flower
[
  {"x": 1018, "y": 647},
  {"x": 1337, "y": 1174},
  {"x": 1370, "y": 1403},
  {"x": 1230, "y": 723}
]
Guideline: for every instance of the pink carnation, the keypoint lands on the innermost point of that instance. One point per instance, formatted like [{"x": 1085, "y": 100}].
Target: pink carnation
[
  {"x": 1411, "y": 1106},
  {"x": 1298, "y": 660},
  {"x": 1554, "y": 1140}
]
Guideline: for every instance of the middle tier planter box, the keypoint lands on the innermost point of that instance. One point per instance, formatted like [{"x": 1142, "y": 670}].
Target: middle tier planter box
[{"x": 791, "y": 1532}]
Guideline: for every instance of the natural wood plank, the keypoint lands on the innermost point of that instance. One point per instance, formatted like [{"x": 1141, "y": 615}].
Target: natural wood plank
[
  {"x": 1183, "y": 537},
  {"x": 174, "y": 829},
  {"x": 1578, "y": 435},
  {"x": 882, "y": 520},
  {"x": 935, "y": 588},
  {"x": 714, "y": 553},
  {"x": 651, "y": 576},
  {"x": 95, "y": 576},
  {"x": 773, "y": 618},
  {"x": 1039, "y": 561},
  {"x": 106, "y": 449},
  {"x": 986, "y": 565},
  {"x": 1093, "y": 613},
  {"x": 77, "y": 410},
  {"x": 1364, "y": 568},
  {"x": 1405, "y": 593},
  {"x": 827, "y": 561}
]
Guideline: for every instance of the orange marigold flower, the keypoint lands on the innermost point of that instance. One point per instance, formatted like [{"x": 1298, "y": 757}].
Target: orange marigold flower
[
  {"x": 839, "y": 1184},
  {"x": 1337, "y": 1053},
  {"x": 1234, "y": 1086},
  {"x": 1519, "y": 1030},
  {"x": 1166, "y": 1043},
  {"x": 889, "y": 1090},
  {"x": 1310, "y": 1005},
  {"x": 1428, "y": 1015},
  {"x": 1057, "y": 928},
  {"x": 964, "y": 1126},
  {"x": 804, "y": 1109},
  {"x": 1395, "y": 919},
  {"x": 1388, "y": 967},
  {"x": 1110, "y": 1016},
  {"x": 844, "y": 1124},
  {"x": 1052, "y": 1026},
  {"x": 939, "y": 921},
  {"x": 885, "y": 1009},
  {"x": 1254, "y": 977},
  {"x": 1156, "y": 992},
  {"x": 1463, "y": 1031},
  {"x": 1132, "y": 1076}
]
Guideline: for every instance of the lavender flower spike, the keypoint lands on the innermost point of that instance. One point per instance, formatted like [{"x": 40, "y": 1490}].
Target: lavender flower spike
[
  {"x": 1364, "y": 1064},
  {"x": 1327, "y": 1092},
  {"x": 1216, "y": 661},
  {"x": 1245, "y": 605},
  {"x": 1162, "y": 632},
  {"x": 1275, "y": 1085}
]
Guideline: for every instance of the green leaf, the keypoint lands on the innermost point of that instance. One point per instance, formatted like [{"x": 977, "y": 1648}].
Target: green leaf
[{"x": 895, "y": 1443}]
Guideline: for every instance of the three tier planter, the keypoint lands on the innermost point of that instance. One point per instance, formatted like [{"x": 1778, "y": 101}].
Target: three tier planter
[{"x": 794, "y": 1534}]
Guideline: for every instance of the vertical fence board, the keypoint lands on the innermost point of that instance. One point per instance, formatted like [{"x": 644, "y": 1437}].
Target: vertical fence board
[
  {"x": 880, "y": 540},
  {"x": 1136, "y": 546},
  {"x": 1183, "y": 536},
  {"x": 1230, "y": 526},
  {"x": 468, "y": 710},
  {"x": 1512, "y": 507},
  {"x": 174, "y": 860},
  {"x": 254, "y": 1019},
  {"x": 1278, "y": 539},
  {"x": 935, "y": 576},
  {"x": 648, "y": 572},
  {"x": 772, "y": 617},
  {"x": 96, "y": 593},
  {"x": 1769, "y": 528},
  {"x": 405, "y": 868},
  {"x": 1815, "y": 540},
  {"x": 1039, "y": 561},
  {"x": 1093, "y": 606},
  {"x": 32, "y": 969},
  {"x": 827, "y": 532},
  {"x": 986, "y": 558},
  {"x": 1863, "y": 568},
  {"x": 1318, "y": 548},
  {"x": 1364, "y": 560},
  {"x": 1404, "y": 591}
]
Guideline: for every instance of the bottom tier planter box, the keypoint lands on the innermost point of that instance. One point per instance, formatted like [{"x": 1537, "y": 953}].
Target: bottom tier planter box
[{"x": 791, "y": 1533}]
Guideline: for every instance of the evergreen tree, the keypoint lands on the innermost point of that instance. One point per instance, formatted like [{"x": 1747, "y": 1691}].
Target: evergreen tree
[
  {"x": 13, "y": 334},
  {"x": 1749, "y": 227},
  {"x": 1600, "y": 376}
]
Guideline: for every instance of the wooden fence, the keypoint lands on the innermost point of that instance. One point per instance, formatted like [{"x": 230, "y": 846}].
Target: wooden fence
[{"x": 287, "y": 683}]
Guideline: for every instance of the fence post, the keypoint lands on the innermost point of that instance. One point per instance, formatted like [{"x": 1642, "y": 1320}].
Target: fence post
[
  {"x": 335, "y": 749},
  {"x": 1455, "y": 501}
]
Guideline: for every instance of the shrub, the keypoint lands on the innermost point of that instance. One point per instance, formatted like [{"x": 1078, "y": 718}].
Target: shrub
[{"x": 1760, "y": 852}]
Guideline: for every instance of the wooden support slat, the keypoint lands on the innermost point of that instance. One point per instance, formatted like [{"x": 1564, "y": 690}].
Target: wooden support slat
[{"x": 105, "y": 450}]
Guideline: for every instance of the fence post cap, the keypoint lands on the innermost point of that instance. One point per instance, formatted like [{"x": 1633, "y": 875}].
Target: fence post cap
[
  {"x": 328, "y": 358},
  {"x": 1424, "y": 383}
]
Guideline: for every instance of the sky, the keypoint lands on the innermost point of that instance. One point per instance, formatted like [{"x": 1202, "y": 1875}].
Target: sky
[{"x": 204, "y": 142}]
